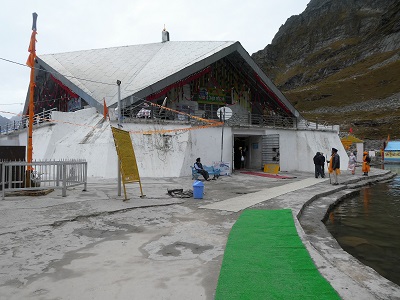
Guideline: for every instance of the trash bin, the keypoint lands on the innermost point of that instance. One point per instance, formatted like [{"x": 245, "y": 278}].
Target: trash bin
[{"x": 198, "y": 189}]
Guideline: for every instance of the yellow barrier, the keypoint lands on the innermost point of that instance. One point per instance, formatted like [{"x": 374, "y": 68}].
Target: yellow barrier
[
  {"x": 271, "y": 168},
  {"x": 126, "y": 154}
]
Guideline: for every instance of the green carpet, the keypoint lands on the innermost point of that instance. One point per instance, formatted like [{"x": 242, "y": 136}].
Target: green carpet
[{"x": 265, "y": 259}]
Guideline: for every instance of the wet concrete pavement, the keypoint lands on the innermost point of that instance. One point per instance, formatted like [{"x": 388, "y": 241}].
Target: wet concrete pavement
[{"x": 93, "y": 245}]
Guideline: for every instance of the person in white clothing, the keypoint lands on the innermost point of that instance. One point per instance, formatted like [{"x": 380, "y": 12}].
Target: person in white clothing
[{"x": 352, "y": 163}]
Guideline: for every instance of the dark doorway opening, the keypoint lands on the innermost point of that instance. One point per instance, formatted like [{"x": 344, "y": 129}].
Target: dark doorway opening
[{"x": 240, "y": 149}]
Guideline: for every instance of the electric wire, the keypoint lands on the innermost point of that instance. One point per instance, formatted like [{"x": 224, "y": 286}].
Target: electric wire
[
  {"x": 53, "y": 73},
  {"x": 211, "y": 123}
]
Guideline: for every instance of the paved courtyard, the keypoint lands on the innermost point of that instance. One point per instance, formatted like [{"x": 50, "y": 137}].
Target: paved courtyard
[{"x": 93, "y": 245}]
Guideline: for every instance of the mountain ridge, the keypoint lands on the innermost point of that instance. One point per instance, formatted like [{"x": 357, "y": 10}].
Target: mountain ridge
[{"x": 338, "y": 54}]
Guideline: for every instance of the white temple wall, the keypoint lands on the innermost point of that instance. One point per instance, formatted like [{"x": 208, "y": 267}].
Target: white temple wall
[{"x": 84, "y": 135}]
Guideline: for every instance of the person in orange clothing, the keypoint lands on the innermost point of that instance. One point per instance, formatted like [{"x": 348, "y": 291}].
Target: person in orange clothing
[
  {"x": 366, "y": 161},
  {"x": 334, "y": 166}
]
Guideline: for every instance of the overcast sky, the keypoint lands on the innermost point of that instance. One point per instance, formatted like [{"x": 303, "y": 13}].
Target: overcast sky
[{"x": 72, "y": 25}]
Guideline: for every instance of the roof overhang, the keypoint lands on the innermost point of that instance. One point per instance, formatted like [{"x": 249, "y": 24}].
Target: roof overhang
[
  {"x": 198, "y": 66},
  {"x": 144, "y": 78},
  {"x": 63, "y": 77}
]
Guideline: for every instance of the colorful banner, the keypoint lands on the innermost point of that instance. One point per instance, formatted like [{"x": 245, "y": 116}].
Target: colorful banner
[
  {"x": 392, "y": 156},
  {"x": 214, "y": 96},
  {"x": 223, "y": 166}
]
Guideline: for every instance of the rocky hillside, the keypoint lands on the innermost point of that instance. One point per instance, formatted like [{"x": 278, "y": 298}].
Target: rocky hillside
[
  {"x": 339, "y": 61},
  {"x": 3, "y": 120}
]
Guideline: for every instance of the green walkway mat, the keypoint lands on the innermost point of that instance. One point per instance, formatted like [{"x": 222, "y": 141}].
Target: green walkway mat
[{"x": 265, "y": 259}]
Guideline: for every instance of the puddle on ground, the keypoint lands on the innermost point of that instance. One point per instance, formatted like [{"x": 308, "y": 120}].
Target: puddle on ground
[
  {"x": 106, "y": 233},
  {"x": 97, "y": 233},
  {"x": 175, "y": 249}
]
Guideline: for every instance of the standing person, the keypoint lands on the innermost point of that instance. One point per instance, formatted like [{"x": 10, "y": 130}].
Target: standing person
[
  {"x": 319, "y": 161},
  {"x": 322, "y": 163},
  {"x": 199, "y": 167},
  {"x": 352, "y": 163},
  {"x": 334, "y": 166},
  {"x": 238, "y": 158},
  {"x": 243, "y": 158},
  {"x": 366, "y": 161}
]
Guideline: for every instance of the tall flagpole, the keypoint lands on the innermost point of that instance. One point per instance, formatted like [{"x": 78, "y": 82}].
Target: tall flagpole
[
  {"x": 31, "y": 63},
  {"x": 222, "y": 119},
  {"x": 119, "y": 124}
]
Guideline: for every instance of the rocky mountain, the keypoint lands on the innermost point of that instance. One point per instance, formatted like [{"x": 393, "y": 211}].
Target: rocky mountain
[
  {"x": 339, "y": 61},
  {"x": 3, "y": 120}
]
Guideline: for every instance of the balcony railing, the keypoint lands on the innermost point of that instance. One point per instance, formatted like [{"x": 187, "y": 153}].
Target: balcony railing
[
  {"x": 187, "y": 114},
  {"x": 16, "y": 125},
  {"x": 149, "y": 113}
]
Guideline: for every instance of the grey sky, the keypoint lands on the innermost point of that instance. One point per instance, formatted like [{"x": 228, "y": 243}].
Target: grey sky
[{"x": 72, "y": 25}]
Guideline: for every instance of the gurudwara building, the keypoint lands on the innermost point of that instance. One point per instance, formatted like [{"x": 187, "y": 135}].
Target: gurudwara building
[{"x": 179, "y": 101}]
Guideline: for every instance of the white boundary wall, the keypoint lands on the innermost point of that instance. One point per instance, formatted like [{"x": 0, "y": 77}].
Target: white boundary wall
[{"x": 168, "y": 155}]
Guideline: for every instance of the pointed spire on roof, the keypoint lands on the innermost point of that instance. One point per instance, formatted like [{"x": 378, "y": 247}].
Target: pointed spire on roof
[{"x": 165, "y": 35}]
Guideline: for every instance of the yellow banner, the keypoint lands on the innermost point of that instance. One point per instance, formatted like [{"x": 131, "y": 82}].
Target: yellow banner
[{"x": 123, "y": 144}]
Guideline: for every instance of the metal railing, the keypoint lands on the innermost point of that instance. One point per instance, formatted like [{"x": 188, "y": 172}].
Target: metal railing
[
  {"x": 42, "y": 175},
  {"x": 316, "y": 125},
  {"x": 145, "y": 112},
  {"x": 154, "y": 113},
  {"x": 39, "y": 118},
  {"x": 261, "y": 121}
]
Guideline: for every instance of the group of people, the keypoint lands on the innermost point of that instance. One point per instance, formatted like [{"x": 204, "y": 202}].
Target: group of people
[
  {"x": 365, "y": 165},
  {"x": 334, "y": 165},
  {"x": 319, "y": 162}
]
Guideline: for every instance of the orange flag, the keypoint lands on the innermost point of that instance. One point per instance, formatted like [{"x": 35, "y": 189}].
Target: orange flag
[
  {"x": 32, "y": 49},
  {"x": 105, "y": 109}
]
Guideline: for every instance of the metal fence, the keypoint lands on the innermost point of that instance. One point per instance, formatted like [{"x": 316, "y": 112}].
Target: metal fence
[
  {"x": 42, "y": 117},
  {"x": 42, "y": 175}
]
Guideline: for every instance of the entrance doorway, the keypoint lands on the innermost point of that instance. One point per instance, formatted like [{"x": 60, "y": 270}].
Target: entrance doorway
[{"x": 241, "y": 149}]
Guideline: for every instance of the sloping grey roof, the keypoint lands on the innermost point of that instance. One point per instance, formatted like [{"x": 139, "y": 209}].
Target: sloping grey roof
[
  {"x": 137, "y": 67},
  {"x": 393, "y": 146},
  {"x": 142, "y": 69}
]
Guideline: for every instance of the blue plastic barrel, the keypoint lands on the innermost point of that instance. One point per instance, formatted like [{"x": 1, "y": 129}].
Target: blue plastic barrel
[{"x": 198, "y": 189}]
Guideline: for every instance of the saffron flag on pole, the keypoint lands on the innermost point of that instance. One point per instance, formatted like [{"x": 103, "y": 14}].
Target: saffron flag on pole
[
  {"x": 31, "y": 63},
  {"x": 32, "y": 44},
  {"x": 105, "y": 112}
]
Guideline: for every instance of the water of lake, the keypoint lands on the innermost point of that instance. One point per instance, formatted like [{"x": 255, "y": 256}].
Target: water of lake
[{"x": 367, "y": 226}]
